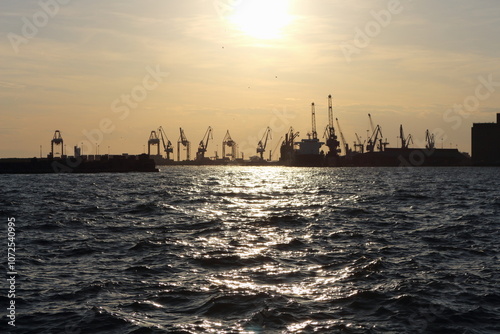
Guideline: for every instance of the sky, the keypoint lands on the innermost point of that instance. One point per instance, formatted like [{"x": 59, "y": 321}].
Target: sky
[{"x": 107, "y": 73}]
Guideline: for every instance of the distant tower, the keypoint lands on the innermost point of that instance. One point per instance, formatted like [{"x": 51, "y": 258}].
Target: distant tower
[{"x": 57, "y": 140}]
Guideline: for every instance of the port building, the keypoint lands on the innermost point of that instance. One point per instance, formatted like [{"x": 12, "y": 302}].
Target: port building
[{"x": 486, "y": 143}]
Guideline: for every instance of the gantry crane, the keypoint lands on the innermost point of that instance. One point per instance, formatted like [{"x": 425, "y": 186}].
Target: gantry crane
[
  {"x": 261, "y": 146},
  {"x": 405, "y": 141},
  {"x": 153, "y": 141},
  {"x": 229, "y": 142},
  {"x": 331, "y": 142},
  {"x": 203, "y": 146},
  {"x": 56, "y": 140},
  {"x": 344, "y": 142},
  {"x": 167, "y": 144},
  {"x": 184, "y": 142}
]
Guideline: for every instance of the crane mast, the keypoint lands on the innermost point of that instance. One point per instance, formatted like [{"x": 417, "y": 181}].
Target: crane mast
[
  {"x": 330, "y": 112},
  {"x": 184, "y": 142},
  {"x": 313, "y": 114}
]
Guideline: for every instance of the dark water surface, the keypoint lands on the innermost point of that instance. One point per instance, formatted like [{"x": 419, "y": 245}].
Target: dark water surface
[{"x": 255, "y": 250}]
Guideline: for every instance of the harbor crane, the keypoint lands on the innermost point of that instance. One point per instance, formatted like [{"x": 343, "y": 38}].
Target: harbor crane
[
  {"x": 374, "y": 140},
  {"x": 344, "y": 142},
  {"x": 153, "y": 141},
  {"x": 261, "y": 146},
  {"x": 359, "y": 146},
  {"x": 184, "y": 142},
  {"x": 203, "y": 146},
  {"x": 56, "y": 140},
  {"x": 429, "y": 138},
  {"x": 287, "y": 146},
  {"x": 167, "y": 144},
  {"x": 331, "y": 141},
  {"x": 290, "y": 137},
  {"x": 405, "y": 141},
  {"x": 229, "y": 142}
]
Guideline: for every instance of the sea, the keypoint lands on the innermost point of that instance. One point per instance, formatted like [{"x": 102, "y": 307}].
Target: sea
[{"x": 232, "y": 249}]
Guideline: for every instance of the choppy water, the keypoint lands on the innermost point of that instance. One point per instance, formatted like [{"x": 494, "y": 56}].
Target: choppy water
[{"x": 256, "y": 250}]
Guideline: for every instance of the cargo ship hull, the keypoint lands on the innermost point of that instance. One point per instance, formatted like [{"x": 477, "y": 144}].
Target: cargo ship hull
[{"x": 390, "y": 157}]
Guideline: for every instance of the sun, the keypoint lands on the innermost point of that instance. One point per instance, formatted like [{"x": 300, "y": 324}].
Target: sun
[{"x": 262, "y": 19}]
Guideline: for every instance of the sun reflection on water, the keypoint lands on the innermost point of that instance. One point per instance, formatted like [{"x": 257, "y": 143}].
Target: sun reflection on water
[{"x": 264, "y": 236}]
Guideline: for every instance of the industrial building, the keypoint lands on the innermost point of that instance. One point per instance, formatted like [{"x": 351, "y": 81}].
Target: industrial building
[{"x": 486, "y": 143}]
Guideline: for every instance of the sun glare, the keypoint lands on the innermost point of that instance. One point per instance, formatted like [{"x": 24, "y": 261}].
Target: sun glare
[{"x": 262, "y": 19}]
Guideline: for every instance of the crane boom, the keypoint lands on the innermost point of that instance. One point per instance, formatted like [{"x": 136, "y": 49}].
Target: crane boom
[
  {"x": 344, "y": 142},
  {"x": 371, "y": 124}
]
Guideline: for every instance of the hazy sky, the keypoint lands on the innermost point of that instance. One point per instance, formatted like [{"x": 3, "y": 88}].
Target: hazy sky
[{"x": 112, "y": 71}]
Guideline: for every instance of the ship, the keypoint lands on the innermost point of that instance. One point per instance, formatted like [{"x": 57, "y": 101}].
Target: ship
[{"x": 410, "y": 157}]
